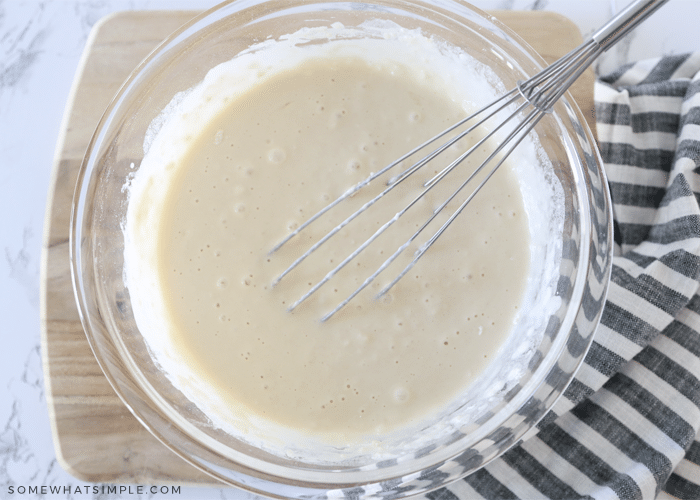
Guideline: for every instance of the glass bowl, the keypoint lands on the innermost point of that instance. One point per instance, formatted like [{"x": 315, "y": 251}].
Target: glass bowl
[{"x": 579, "y": 250}]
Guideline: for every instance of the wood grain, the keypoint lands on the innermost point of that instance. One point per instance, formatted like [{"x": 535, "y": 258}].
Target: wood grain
[{"x": 95, "y": 436}]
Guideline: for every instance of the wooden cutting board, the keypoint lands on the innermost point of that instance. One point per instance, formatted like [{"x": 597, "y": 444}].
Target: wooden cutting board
[{"x": 96, "y": 438}]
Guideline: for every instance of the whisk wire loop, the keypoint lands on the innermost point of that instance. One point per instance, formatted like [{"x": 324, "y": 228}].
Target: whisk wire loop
[
  {"x": 533, "y": 117},
  {"x": 391, "y": 184},
  {"x": 403, "y": 176}
]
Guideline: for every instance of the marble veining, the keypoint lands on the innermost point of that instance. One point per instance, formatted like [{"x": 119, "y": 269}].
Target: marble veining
[
  {"x": 40, "y": 45},
  {"x": 22, "y": 46},
  {"x": 21, "y": 270}
]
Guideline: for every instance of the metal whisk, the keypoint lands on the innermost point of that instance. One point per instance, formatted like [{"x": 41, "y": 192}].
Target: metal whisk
[{"x": 537, "y": 96}]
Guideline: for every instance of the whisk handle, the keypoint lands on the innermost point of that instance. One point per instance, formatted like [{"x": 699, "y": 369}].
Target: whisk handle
[{"x": 625, "y": 21}]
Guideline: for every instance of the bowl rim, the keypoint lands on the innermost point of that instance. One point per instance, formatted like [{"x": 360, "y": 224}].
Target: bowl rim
[{"x": 78, "y": 213}]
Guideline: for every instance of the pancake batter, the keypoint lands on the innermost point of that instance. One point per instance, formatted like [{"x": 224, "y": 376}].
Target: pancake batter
[{"x": 272, "y": 156}]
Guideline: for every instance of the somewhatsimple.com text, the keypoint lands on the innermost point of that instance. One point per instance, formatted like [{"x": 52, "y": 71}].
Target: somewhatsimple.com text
[{"x": 94, "y": 489}]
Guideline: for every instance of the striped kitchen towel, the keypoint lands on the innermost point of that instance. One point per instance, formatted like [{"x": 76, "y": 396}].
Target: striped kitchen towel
[{"x": 629, "y": 425}]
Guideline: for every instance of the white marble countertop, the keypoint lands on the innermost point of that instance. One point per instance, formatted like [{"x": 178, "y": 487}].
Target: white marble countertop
[{"x": 40, "y": 44}]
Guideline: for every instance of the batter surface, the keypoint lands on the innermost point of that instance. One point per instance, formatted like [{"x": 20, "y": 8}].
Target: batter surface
[{"x": 269, "y": 160}]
